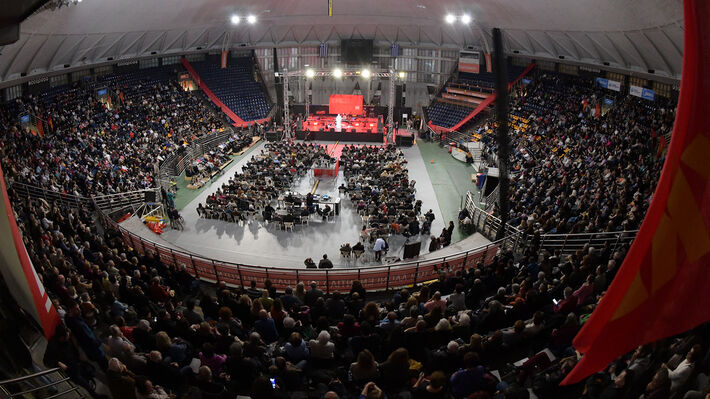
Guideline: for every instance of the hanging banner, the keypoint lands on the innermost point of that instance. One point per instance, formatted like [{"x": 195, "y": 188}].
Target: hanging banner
[
  {"x": 469, "y": 61},
  {"x": 609, "y": 84},
  {"x": 646, "y": 94},
  {"x": 489, "y": 63},
  {"x": 224, "y": 59}
]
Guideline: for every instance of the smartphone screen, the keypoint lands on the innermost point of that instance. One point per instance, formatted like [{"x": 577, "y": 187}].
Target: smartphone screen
[{"x": 273, "y": 382}]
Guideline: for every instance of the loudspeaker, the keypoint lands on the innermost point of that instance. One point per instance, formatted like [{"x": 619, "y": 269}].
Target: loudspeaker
[
  {"x": 412, "y": 249},
  {"x": 402, "y": 140},
  {"x": 149, "y": 196}
]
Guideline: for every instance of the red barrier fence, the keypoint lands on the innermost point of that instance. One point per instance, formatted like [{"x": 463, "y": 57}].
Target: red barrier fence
[{"x": 377, "y": 278}]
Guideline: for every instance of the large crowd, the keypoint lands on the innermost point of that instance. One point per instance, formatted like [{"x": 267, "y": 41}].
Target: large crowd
[
  {"x": 154, "y": 331},
  {"x": 151, "y": 330},
  {"x": 89, "y": 147},
  {"x": 265, "y": 177},
  {"x": 578, "y": 171}
]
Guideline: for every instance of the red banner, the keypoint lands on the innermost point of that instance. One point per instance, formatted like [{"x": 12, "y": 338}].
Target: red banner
[
  {"x": 489, "y": 64},
  {"x": 458, "y": 97},
  {"x": 19, "y": 273},
  {"x": 465, "y": 92},
  {"x": 661, "y": 287},
  {"x": 348, "y": 104},
  {"x": 224, "y": 59}
]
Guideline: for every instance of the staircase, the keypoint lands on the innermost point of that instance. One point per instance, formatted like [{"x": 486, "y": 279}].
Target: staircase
[
  {"x": 52, "y": 383},
  {"x": 470, "y": 90}
]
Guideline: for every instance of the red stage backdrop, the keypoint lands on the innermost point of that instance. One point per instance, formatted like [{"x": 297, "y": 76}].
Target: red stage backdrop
[
  {"x": 350, "y": 104},
  {"x": 661, "y": 288}
]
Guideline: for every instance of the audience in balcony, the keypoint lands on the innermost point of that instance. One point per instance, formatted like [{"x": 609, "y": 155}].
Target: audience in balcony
[
  {"x": 91, "y": 148},
  {"x": 579, "y": 173}
]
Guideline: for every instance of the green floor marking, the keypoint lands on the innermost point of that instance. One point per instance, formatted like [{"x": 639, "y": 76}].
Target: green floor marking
[
  {"x": 451, "y": 180},
  {"x": 185, "y": 196}
]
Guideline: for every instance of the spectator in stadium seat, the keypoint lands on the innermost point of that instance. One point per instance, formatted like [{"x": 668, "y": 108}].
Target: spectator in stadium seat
[
  {"x": 365, "y": 368},
  {"x": 192, "y": 316},
  {"x": 266, "y": 327},
  {"x": 321, "y": 347},
  {"x": 313, "y": 294},
  {"x": 432, "y": 388},
  {"x": 568, "y": 304},
  {"x": 325, "y": 263},
  {"x": 679, "y": 376},
  {"x": 468, "y": 379},
  {"x": 436, "y": 302}
]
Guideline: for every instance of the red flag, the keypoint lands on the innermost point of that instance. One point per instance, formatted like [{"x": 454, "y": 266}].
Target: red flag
[
  {"x": 224, "y": 59},
  {"x": 120, "y": 96},
  {"x": 597, "y": 111},
  {"x": 40, "y": 128},
  {"x": 662, "y": 285},
  {"x": 585, "y": 104},
  {"x": 49, "y": 122}
]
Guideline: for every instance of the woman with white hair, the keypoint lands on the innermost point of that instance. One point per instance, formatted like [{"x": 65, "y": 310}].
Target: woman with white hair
[
  {"x": 322, "y": 347},
  {"x": 120, "y": 380}
]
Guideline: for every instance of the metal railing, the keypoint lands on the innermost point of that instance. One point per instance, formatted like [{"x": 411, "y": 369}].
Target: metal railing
[
  {"x": 569, "y": 243},
  {"x": 130, "y": 199},
  {"x": 375, "y": 278},
  {"x": 27, "y": 190},
  {"x": 487, "y": 224},
  {"x": 57, "y": 380}
]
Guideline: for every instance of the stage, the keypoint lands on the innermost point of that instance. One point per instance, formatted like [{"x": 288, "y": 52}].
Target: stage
[{"x": 352, "y": 128}]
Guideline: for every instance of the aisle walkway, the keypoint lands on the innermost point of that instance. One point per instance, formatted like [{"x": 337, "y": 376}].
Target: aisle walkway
[{"x": 450, "y": 178}]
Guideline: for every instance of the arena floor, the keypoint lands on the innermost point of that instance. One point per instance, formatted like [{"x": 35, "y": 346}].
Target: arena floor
[{"x": 254, "y": 243}]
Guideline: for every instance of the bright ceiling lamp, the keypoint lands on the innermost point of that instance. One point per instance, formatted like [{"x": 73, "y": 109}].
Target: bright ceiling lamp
[
  {"x": 366, "y": 73},
  {"x": 235, "y": 19},
  {"x": 402, "y": 74},
  {"x": 338, "y": 73},
  {"x": 450, "y": 18},
  {"x": 465, "y": 18},
  {"x": 251, "y": 19},
  {"x": 310, "y": 73}
]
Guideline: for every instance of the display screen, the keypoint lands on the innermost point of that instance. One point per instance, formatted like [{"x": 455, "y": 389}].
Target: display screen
[
  {"x": 356, "y": 51},
  {"x": 348, "y": 104},
  {"x": 101, "y": 92},
  {"x": 25, "y": 119}
]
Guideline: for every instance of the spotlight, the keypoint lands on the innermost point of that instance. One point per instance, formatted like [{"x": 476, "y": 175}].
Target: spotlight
[
  {"x": 235, "y": 19},
  {"x": 366, "y": 73},
  {"x": 337, "y": 73},
  {"x": 310, "y": 73},
  {"x": 450, "y": 18},
  {"x": 251, "y": 19},
  {"x": 465, "y": 18},
  {"x": 402, "y": 74}
]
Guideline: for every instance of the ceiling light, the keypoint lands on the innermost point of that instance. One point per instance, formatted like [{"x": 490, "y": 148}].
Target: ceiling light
[
  {"x": 421, "y": 6},
  {"x": 235, "y": 19},
  {"x": 402, "y": 74},
  {"x": 465, "y": 18},
  {"x": 366, "y": 73},
  {"x": 450, "y": 18},
  {"x": 338, "y": 73},
  {"x": 251, "y": 19},
  {"x": 310, "y": 73}
]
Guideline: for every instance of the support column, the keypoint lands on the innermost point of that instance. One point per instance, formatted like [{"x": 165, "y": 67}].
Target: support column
[
  {"x": 287, "y": 113},
  {"x": 390, "y": 107},
  {"x": 502, "y": 133}
]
